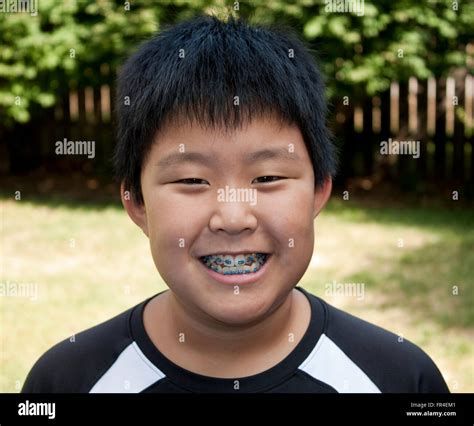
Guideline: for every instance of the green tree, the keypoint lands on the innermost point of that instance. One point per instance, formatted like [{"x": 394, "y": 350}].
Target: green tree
[{"x": 67, "y": 42}]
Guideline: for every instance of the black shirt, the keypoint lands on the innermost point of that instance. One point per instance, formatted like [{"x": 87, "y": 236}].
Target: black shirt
[{"x": 338, "y": 353}]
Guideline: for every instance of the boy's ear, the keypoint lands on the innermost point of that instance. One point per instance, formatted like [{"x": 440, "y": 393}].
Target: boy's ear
[
  {"x": 135, "y": 210},
  {"x": 321, "y": 196}
]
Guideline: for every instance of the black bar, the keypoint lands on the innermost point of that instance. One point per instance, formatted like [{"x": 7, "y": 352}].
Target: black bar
[{"x": 312, "y": 408}]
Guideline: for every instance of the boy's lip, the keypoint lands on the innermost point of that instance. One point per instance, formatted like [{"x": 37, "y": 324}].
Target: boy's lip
[
  {"x": 233, "y": 253},
  {"x": 238, "y": 279}
]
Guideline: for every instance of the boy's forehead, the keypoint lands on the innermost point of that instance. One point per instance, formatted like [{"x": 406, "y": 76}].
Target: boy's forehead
[
  {"x": 211, "y": 158},
  {"x": 265, "y": 131}
]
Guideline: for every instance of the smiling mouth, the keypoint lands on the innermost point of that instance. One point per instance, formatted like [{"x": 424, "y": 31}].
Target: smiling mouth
[{"x": 235, "y": 265}]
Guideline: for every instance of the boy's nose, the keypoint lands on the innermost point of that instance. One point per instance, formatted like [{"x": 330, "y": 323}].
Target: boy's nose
[{"x": 233, "y": 217}]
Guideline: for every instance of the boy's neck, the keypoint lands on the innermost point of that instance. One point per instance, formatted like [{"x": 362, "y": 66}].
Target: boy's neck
[{"x": 212, "y": 349}]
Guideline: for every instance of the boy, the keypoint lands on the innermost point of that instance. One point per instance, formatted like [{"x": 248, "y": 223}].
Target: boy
[{"x": 225, "y": 162}]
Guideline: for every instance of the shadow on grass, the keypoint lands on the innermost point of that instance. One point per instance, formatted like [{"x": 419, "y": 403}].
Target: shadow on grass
[
  {"x": 457, "y": 217},
  {"x": 73, "y": 202},
  {"x": 433, "y": 281}
]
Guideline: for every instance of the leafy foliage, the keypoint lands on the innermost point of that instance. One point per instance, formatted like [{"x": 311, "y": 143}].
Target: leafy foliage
[{"x": 83, "y": 42}]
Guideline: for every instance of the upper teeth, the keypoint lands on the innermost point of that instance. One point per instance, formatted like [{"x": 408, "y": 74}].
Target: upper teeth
[
  {"x": 239, "y": 260},
  {"x": 240, "y": 264}
]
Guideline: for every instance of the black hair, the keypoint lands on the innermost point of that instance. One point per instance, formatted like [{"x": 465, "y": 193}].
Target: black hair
[{"x": 196, "y": 68}]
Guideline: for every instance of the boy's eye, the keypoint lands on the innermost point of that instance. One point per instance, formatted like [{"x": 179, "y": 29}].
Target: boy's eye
[
  {"x": 191, "y": 181},
  {"x": 267, "y": 179},
  {"x": 197, "y": 181}
]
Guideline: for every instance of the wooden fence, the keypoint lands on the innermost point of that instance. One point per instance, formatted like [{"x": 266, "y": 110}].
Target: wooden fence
[{"x": 438, "y": 113}]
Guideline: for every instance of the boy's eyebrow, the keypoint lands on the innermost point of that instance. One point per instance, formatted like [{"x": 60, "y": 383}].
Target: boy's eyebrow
[
  {"x": 185, "y": 157},
  {"x": 270, "y": 153},
  {"x": 251, "y": 157}
]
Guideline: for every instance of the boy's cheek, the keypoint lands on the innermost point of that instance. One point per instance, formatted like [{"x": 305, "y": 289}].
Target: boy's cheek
[{"x": 291, "y": 218}]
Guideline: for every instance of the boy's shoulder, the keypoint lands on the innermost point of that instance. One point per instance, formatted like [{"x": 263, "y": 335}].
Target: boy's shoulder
[
  {"x": 391, "y": 362},
  {"x": 76, "y": 363}
]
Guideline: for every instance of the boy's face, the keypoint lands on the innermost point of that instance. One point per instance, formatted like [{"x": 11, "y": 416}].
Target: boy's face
[{"x": 200, "y": 216}]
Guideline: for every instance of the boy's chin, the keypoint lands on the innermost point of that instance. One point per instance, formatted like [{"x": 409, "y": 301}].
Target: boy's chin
[{"x": 241, "y": 311}]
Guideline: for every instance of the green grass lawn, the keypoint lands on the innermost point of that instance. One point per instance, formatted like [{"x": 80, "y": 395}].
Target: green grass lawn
[{"x": 89, "y": 263}]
